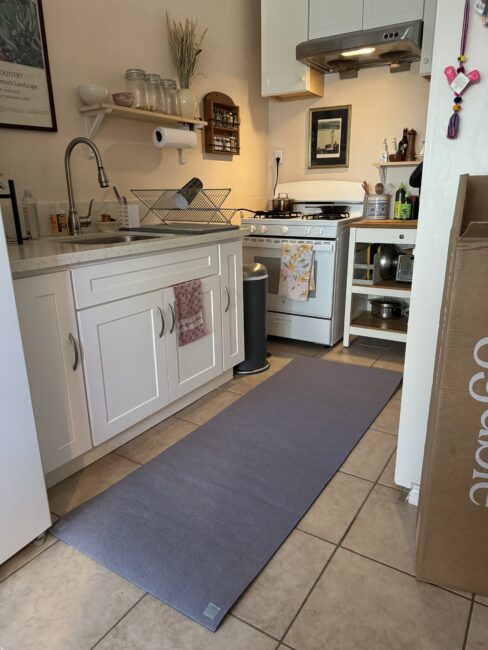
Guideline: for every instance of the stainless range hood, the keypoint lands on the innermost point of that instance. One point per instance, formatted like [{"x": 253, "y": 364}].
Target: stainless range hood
[{"x": 395, "y": 45}]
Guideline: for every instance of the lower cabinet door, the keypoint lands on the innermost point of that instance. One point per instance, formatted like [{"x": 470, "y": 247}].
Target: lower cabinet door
[
  {"x": 125, "y": 362},
  {"x": 194, "y": 364},
  {"x": 50, "y": 341},
  {"x": 232, "y": 305}
]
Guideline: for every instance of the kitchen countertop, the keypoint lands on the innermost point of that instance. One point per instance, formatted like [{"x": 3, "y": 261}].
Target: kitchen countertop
[{"x": 56, "y": 253}]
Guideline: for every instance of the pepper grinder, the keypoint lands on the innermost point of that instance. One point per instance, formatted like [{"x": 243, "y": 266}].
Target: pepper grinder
[{"x": 410, "y": 156}]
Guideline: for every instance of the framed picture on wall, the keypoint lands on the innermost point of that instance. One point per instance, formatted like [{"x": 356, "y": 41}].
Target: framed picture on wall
[
  {"x": 26, "y": 96},
  {"x": 329, "y": 130}
]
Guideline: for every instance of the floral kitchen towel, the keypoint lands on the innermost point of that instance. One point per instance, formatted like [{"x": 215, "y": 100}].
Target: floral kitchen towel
[
  {"x": 296, "y": 271},
  {"x": 189, "y": 311}
]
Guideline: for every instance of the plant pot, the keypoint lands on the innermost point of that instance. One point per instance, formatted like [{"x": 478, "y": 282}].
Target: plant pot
[{"x": 188, "y": 102}]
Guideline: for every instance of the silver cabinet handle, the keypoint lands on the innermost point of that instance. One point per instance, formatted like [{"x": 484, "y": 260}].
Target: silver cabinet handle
[
  {"x": 162, "y": 322},
  {"x": 228, "y": 300},
  {"x": 173, "y": 322},
  {"x": 73, "y": 342}
]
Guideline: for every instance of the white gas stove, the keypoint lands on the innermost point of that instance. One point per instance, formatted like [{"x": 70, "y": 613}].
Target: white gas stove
[{"x": 323, "y": 209}]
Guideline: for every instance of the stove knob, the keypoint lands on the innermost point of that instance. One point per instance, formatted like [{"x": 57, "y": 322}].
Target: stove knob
[
  {"x": 253, "y": 228},
  {"x": 264, "y": 229},
  {"x": 284, "y": 229},
  {"x": 308, "y": 230},
  {"x": 320, "y": 231}
]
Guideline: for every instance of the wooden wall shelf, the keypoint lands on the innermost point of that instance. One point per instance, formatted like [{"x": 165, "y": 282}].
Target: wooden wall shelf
[{"x": 222, "y": 130}]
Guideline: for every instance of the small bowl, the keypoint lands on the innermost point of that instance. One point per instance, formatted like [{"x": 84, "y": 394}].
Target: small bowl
[
  {"x": 92, "y": 94},
  {"x": 108, "y": 226},
  {"x": 123, "y": 99}
]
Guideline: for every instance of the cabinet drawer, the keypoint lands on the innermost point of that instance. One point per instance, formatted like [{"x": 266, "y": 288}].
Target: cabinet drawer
[
  {"x": 99, "y": 283},
  {"x": 386, "y": 235}
]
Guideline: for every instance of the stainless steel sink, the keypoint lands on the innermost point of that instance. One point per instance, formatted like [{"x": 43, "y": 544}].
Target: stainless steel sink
[{"x": 88, "y": 240}]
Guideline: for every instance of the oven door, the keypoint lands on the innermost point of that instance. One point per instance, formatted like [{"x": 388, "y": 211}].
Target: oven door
[{"x": 267, "y": 251}]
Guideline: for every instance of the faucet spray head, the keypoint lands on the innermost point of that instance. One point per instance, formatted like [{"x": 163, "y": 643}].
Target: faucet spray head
[{"x": 102, "y": 177}]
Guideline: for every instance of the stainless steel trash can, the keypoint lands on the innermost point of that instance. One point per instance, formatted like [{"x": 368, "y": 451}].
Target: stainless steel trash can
[{"x": 255, "y": 280}]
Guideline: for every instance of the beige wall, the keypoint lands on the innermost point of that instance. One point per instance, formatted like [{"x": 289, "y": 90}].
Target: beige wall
[
  {"x": 382, "y": 105},
  {"x": 95, "y": 41}
]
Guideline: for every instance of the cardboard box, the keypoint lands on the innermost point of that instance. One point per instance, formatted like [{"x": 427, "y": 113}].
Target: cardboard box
[{"x": 452, "y": 533}]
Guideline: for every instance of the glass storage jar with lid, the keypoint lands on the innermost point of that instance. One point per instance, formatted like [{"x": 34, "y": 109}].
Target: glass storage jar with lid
[
  {"x": 135, "y": 81},
  {"x": 171, "y": 96},
  {"x": 154, "y": 94}
]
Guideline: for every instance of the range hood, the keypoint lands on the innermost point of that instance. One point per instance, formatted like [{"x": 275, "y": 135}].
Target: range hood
[{"x": 395, "y": 45}]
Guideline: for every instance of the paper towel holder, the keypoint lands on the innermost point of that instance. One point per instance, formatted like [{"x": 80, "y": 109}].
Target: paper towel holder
[{"x": 159, "y": 141}]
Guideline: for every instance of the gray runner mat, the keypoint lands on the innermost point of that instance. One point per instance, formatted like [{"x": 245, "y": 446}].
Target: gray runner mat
[{"x": 197, "y": 523}]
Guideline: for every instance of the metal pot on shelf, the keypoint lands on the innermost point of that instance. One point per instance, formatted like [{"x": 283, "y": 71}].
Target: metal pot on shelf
[{"x": 386, "y": 308}]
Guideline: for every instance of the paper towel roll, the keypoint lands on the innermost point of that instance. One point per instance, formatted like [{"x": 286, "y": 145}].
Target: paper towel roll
[{"x": 174, "y": 138}]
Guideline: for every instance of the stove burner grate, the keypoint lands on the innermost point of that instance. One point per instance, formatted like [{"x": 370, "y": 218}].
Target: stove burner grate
[
  {"x": 325, "y": 216},
  {"x": 277, "y": 214}
]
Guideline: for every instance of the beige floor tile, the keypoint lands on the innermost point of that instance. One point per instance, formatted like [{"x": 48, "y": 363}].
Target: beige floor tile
[
  {"x": 392, "y": 359},
  {"x": 24, "y": 556},
  {"x": 372, "y": 343},
  {"x": 90, "y": 481},
  {"x": 291, "y": 348},
  {"x": 155, "y": 440},
  {"x": 152, "y": 625},
  {"x": 389, "y": 418},
  {"x": 482, "y": 599},
  {"x": 242, "y": 384},
  {"x": 359, "y": 604},
  {"x": 62, "y": 600},
  {"x": 207, "y": 407},
  {"x": 275, "y": 596},
  {"x": 384, "y": 530},
  {"x": 368, "y": 458},
  {"x": 388, "y": 476},
  {"x": 478, "y": 629},
  {"x": 331, "y": 514},
  {"x": 398, "y": 393},
  {"x": 363, "y": 355}
]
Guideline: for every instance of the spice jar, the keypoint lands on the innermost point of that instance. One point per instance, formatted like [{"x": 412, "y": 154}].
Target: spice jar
[
  {"x": 154, "y": 93},
  {"x": 171, "y": 96},
  {"x": 136, "y": 84}
]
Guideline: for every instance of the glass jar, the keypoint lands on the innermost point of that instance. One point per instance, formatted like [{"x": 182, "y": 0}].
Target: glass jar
[
  {"x": 135, "y": 82},
  {"x": 171, "y": 96},
  {"x": 154, "y": 94}
]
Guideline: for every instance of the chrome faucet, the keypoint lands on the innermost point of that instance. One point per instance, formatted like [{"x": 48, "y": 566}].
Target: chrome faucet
[{"x": 74, "y": 220}]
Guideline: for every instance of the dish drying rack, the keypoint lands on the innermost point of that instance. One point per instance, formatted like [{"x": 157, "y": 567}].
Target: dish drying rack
[{"x": 205, "y": 207}]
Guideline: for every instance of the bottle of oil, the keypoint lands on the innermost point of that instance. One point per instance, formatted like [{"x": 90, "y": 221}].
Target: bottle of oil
[{"x": 399, "y": 200}]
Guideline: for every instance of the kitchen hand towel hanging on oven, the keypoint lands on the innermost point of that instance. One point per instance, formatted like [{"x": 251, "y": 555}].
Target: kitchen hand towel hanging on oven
[
  {"x": 296, "y": 271},
  {"x": 189, "y": 311}
]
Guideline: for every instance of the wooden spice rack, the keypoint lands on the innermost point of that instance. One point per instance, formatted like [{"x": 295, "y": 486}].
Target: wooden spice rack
[{"x": 222, "y": 132}]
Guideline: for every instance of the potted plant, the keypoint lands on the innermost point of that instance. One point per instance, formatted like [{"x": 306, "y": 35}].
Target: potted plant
[{"x": 185, "y": 48}]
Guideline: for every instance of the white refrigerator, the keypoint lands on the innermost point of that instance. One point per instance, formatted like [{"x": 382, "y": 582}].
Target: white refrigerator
[{"x": 24, "y": 510}]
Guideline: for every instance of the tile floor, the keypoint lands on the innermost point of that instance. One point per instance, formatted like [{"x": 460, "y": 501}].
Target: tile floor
[{"x": 343, "y": 580}]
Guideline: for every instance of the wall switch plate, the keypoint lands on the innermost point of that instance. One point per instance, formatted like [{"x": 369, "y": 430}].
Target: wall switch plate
[{"x": 278, "y": 153}]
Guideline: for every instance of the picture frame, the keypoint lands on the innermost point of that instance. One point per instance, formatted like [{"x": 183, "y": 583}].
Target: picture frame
[
  {"x": 26, "y": 96},
  {"x": 328, "y": 139}
]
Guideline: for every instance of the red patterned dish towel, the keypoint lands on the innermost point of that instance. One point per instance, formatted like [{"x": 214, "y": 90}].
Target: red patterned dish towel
[{"x": 189, "y": 311}]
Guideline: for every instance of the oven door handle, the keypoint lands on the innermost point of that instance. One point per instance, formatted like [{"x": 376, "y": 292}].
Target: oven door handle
[{"x": 319, "y": 245}]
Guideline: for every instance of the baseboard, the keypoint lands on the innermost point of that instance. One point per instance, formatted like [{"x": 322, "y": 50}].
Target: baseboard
[{"x": 414, "y": 494}]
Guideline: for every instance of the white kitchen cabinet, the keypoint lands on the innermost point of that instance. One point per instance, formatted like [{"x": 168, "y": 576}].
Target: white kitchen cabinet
[
  {"x": 284, "y": 24},
  {"x": 379, "y": 13},
  {"x": 125, "y": 362},
  {"x": 196, "y": 363},
  {"x": 329, "y": 17},
  {"x": 53, "y": 358},
  {"x": 232, "y": 304},
  {"x": 430, "y": 9}
]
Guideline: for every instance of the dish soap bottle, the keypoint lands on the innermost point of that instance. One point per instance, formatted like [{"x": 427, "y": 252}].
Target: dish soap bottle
[
  {"x": 31, "y": 219},
  {"x": 399, "y": 200}
]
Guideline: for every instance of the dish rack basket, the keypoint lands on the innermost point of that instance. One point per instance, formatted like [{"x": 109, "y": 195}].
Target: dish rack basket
[{"x": 205, "y": 207}]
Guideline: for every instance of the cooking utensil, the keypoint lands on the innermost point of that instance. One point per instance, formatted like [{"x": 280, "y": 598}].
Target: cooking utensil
[
  {"x": 333, "y": 209},
  {"x": 283, "y": 203},
  {"x": 119, "y": 198},
  {"x": 365, "y": 187},
  {"x": 379, "y": 188},
  {"x": 385, "y": 308},
  {"x": 388, "y": 261}
]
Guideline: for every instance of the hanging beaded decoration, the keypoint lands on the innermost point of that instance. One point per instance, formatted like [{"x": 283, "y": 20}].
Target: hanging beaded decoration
[{"x": 459, "y": 79}]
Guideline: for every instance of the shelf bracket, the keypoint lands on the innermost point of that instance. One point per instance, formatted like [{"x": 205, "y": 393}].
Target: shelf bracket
[{"x": 93, "y": 122}]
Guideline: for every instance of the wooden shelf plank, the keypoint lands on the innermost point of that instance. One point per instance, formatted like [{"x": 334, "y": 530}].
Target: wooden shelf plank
[
  {"x": 367, "y": 321},
  {"x": 138, "y": 114},
  {"x": 384, "y": 288},
  {"x": 384, "y": 223}
]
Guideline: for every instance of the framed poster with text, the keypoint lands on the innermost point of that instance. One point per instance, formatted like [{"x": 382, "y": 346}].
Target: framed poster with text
[{"x": 26, "y": 97}]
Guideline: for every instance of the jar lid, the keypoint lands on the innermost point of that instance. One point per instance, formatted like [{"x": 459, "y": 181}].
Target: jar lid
[
  {"x": 135, "y": 72},
  {"x": 152, "y": 76},
  {"x": 168, "y": 82}
]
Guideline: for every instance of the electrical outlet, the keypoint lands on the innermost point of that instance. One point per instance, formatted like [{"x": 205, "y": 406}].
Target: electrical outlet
[{"x": 278, "y": 153}]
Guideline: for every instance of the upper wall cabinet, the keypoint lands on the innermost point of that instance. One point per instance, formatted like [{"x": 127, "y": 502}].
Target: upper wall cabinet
[
  {"x": 329, "y": 17},
  {"x": 378, "y": 13},
  {"x": 284, "y": 24}
]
